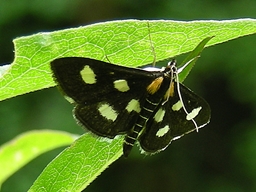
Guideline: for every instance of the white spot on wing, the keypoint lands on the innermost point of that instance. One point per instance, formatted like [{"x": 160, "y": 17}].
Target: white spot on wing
[
  {"x": 108, "y": 112},
  {"x": 133, "y": 105},
  {"x": 159, "y": 115},
  {"x": 88, "y": 75},
  {"x": 161, "y": 132},
  {"x": 121, "y": 85},
  {"x": 177, "y": 106},
  {"x": 193, "y": 113}
]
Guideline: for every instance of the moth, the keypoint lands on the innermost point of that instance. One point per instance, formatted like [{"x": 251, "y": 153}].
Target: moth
[{"x": 148, "y": 107}]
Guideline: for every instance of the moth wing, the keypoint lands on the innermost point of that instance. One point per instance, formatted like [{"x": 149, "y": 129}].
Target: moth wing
[
  {"x": 107, "y": 97},
  {"x": 170, "y": 122},
  {"x": 87, "y": 81},
  {"x": 109, "y": 118}
]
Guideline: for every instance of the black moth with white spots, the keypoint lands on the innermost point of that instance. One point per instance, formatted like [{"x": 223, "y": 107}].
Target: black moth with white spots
[{"x": 150, "y": 107}]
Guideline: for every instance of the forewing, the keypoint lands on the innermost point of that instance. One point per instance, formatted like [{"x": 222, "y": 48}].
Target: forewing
[
  {"x": 107, "y": 97},
  {"x": 89, "y": 81},
  {"x": 171, "y": 122}
]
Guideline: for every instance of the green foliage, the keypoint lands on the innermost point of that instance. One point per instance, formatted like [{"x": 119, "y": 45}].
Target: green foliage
[
  {"x": 121, "y": 42},
  {"x": 27, "y": 146}
]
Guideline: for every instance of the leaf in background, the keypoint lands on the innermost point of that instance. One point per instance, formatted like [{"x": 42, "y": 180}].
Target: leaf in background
[{"x": 27, "y": 146}]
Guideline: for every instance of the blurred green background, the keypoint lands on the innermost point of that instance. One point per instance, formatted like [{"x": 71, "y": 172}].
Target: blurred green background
[{"x": 221, "y": 157}]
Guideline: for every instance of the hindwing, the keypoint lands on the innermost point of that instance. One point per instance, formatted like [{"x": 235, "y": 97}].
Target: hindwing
[{"x": 171, "y": 121}]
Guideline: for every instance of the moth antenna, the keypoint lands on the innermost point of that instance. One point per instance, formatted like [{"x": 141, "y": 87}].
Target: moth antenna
[
  {"x": 152, "y": 46},
  {"x": 181, "y": 100}
]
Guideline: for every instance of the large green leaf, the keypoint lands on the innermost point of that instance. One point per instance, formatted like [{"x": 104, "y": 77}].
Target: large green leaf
[{"x": 124, "y": 42}]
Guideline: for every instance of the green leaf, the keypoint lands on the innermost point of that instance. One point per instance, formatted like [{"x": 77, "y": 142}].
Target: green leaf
[
  {"x": 128, "y": 43},
  {"x": 77, "y": 166},
  {"x": 191, "y": 59},
  {"x": 27, "y": 146},
  {"x": 124, "y": 42}
]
